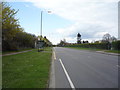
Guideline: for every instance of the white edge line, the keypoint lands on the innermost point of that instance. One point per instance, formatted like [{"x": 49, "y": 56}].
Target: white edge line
[{"x": 68, "y": 77}]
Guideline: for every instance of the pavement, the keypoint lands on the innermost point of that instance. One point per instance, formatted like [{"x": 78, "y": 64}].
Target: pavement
[
  {"x": 52, "y": 72},
  {"x": 15, "y": 53},
  {"x": 72, "y": 68}
]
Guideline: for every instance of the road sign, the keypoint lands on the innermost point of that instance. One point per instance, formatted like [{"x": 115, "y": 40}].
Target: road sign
[{"x": 40, "y": 45}]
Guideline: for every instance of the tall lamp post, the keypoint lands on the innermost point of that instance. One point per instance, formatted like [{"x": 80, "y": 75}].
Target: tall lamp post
[
  {"x": 40, "y": 41},
  {"x": 42, "y": 21}
]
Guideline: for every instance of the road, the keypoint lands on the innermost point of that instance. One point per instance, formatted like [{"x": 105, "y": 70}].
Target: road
[{"x": 84, "y": 69}]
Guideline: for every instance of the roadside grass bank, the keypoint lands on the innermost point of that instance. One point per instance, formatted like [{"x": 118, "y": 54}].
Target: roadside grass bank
[
  {"x": 113, "y": 51},
  {"x": 95, "y": 49},
  {"x": 26, "y": 70}
]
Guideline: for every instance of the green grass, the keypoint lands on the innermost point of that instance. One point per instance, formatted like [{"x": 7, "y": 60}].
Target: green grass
[
  {"x": 26, "y": 70},
  {"x": 93, "y": 49},
  {"x": 112, "y": 51}
]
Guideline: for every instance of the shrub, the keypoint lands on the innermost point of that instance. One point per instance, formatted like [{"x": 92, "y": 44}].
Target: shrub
[
  {"x": 92, "y": 45},
  {"x": 116, "y": 45}
]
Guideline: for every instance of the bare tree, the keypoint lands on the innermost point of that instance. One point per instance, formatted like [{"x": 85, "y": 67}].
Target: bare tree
[
  {"x": 106, "y": 38},
  {"x": 113, "y": 38}
]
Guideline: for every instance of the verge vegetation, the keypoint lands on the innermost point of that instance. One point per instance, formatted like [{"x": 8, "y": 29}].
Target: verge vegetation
[
  {"x": 114, "y": 47},
  {"x": 26, "y": 70}
]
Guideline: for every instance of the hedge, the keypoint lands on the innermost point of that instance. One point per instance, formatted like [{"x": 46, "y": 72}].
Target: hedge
[{"x": 115, "y": 45}]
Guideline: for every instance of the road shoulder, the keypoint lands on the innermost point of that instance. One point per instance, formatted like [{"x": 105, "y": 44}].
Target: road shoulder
[{"x": 52, "y": 73}]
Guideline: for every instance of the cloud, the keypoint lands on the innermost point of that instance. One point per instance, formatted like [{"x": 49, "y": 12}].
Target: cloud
[
  {"x": 87, "y": 30},
  {"x": 92, "y": 18},
  {"x": 66, "y": 0}
]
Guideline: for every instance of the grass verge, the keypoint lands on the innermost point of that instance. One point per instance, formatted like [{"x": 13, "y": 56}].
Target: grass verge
[
  {"x": 94, "y": 49},
  {"x": 26, "y": 70},
  {"x": 112, "y": 51}
]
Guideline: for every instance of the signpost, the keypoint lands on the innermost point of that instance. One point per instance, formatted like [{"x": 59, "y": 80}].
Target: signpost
[
  {"x": 40, "y": 45},
  {"x": 40, "y": 42}
]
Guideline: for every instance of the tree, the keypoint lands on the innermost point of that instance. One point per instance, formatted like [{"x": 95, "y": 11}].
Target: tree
[
  {"x": 113, "y": 39},
  {"x": 47, "y": 42},
  {"x": 97, "y": 42},
  {"x": 106, "y": 38},
  {"x": 78, "y": 38},
  {"x": 10, "y": 25},
  {"x": 62, "y": 43},
  {"x": 13, "y": 32}
]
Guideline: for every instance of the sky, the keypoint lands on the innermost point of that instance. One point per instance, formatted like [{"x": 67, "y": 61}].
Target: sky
[{"x": 91, "y": 18}]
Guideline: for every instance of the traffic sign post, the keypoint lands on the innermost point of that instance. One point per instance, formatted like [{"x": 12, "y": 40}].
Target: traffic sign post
[
  {"x": 41, "y": 42},
  {"x": 40, "y": 45}
]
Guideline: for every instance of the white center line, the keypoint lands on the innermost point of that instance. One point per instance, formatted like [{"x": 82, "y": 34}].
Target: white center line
[{"x": 68, "y": 77}]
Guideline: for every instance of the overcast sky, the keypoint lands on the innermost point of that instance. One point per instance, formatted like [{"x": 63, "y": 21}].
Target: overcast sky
[{"x": 91, "y": 18}]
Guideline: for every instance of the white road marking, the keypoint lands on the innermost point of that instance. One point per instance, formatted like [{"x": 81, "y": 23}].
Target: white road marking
[
  {"x": 68, "y": 77},
  {"x": 54, "y": 55}
]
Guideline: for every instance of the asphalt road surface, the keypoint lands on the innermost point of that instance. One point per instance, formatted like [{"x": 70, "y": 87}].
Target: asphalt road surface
[{"x": 84, "y": 69}]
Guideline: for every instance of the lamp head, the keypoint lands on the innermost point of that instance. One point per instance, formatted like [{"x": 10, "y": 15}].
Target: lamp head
[{"x": 49, "y": 11}]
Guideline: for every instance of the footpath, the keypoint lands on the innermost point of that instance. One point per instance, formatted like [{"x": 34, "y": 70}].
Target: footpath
[{"x": 15, "y": 53}]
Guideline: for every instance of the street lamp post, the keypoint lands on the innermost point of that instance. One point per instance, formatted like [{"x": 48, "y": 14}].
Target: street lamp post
[
  {"x": 40, "y": 41},
  {"x": 41, "y": 23}
]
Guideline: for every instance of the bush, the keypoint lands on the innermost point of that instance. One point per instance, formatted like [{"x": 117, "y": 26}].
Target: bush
[
  {"x": 92, "y": 45},
  {"x": 116, "y": 45}
]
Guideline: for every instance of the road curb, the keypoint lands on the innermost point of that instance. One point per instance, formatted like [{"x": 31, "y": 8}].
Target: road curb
[
  {"x": 116, "y": 54},
  {"x": 51, "y": 83}
]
